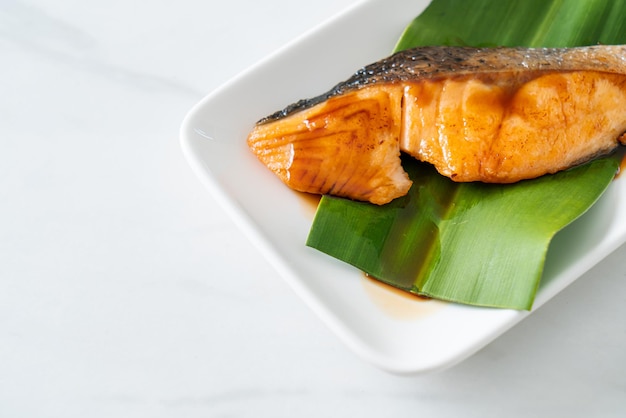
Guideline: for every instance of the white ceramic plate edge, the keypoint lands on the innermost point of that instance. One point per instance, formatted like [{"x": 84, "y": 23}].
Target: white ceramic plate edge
[{"x": 352, "y": 339}]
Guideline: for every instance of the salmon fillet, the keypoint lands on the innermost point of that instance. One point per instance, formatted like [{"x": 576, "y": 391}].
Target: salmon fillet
[{"x": 497, "y": 115}]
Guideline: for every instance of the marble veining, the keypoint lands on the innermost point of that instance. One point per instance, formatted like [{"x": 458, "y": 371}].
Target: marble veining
[{"x": 127, "y": 291}]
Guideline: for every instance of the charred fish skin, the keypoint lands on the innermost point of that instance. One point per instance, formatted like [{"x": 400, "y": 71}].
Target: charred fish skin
[
  {"x": 493, "y": 115},
  {"x": 345, "y": 146},
  {"x": 432, "y": 62}
]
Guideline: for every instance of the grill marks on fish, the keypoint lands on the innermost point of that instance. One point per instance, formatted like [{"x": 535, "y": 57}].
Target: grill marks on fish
[
  {"x": 493, "y": 115},
  {"x": 479, "y": 131},
  {"x": 326, "y": 148}
]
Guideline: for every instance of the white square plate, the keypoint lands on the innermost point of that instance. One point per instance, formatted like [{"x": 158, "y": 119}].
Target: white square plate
[{"x": 395, "y": 332}]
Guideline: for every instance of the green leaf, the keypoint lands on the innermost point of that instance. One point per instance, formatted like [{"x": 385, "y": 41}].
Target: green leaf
[
  {"x": 475, "y": 243},
  {"x": 533, "y": 23}
]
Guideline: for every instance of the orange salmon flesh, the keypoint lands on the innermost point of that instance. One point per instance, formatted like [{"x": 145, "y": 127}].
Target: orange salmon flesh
[{"x": 523, "y": 114}]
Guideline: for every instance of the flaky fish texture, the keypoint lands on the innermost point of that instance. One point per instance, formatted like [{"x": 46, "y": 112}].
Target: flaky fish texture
[{"x": 495, "y": 115}]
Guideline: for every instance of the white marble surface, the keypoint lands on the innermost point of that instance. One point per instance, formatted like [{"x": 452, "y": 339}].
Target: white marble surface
[{"x": 125, "y": 291}]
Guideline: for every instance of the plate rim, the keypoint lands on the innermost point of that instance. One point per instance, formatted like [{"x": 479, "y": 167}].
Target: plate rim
[{"x": 266, "y": 247}]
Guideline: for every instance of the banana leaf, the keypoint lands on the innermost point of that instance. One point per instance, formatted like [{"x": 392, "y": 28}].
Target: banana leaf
[{"x": 474, "y": 243}]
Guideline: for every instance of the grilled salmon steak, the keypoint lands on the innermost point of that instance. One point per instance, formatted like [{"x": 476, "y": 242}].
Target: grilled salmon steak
[{"x": 495, "y": 115}]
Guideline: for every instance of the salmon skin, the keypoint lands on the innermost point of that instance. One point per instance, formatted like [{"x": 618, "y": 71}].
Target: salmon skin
[{"x": 496, "y": 115}]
